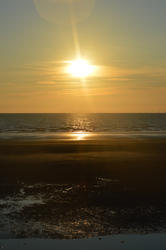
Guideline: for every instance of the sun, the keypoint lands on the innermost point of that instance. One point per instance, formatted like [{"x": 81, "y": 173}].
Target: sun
[{"x": 80, "y": 68}]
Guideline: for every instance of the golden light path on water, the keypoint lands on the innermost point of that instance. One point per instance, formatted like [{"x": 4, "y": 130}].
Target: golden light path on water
[{"x": 79, "y": 136}]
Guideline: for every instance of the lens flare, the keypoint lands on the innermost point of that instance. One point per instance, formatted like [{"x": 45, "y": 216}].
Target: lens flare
[{"x": 62, "y": 11}]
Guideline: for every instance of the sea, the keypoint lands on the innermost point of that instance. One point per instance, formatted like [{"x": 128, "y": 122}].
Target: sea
[{"x": 81, "y": 126}]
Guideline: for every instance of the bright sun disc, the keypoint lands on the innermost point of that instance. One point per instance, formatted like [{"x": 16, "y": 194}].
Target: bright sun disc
[{"x": 80, "y": 68}]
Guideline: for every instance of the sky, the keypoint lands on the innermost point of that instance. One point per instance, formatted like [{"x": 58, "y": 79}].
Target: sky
[{"x": 124, "y": 39}]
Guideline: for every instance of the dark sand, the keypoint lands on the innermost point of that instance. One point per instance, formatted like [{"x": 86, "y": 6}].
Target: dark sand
[
  {"x": 82, "y": 188},
  {"x": 135, "y": 162}
]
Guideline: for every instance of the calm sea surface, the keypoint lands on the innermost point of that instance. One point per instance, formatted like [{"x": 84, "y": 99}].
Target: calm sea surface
[{"x": 80, "y": 126}]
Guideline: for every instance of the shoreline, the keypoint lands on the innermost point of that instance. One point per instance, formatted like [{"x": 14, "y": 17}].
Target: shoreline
[{"x": 80, "y": 135}]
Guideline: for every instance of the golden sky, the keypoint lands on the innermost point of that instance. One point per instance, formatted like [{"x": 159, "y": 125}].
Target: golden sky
[{"x": 124, "y": 42}]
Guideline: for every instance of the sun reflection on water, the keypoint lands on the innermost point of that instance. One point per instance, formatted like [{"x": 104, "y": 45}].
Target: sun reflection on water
[{"x": 79, "y": 136}]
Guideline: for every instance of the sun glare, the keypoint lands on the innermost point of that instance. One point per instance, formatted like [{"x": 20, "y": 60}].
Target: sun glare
[
  {"x": 79, "y": 136},
  {"x": 80, "y": 68}
]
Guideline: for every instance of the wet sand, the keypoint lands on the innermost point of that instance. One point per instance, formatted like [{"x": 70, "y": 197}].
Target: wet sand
[
  {"x": 78, "y": 189},
  {"x": 134, "y": 162}
]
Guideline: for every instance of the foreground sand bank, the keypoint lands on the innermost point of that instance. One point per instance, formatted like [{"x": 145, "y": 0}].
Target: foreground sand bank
[{"x": 135, "y": 162}]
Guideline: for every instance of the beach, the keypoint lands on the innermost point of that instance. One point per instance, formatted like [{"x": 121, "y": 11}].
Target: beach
[
  {"x": 83, "y": 125},
  {"x": 73, "y": 189}
]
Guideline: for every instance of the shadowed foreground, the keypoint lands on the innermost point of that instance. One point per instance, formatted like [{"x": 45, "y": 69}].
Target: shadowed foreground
[{"x": 75, "y": 189}]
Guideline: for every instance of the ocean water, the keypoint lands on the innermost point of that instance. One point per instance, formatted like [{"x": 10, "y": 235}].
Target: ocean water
[{"x": 81, "y": 126}]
